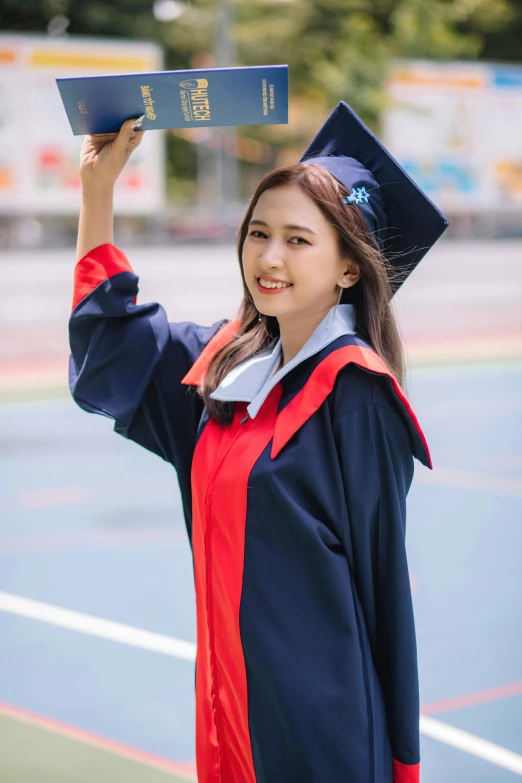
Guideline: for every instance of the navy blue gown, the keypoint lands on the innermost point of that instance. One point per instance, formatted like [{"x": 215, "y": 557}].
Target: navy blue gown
[{"x": 306, "y": 666}]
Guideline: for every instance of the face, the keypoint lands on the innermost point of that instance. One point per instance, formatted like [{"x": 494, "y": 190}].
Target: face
[{"x": 290, "y": 244}]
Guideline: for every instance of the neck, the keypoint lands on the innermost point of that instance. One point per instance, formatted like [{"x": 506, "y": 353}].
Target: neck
[{"x": 295, "y": 331}]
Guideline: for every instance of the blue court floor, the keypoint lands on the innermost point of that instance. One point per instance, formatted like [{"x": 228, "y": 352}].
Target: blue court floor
[{"x": 92, "y": 523}]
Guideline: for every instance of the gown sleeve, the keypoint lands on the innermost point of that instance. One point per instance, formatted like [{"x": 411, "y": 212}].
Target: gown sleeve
[
  {"x": 377, "y": 467},
  {"x": 127, "y": 361}
]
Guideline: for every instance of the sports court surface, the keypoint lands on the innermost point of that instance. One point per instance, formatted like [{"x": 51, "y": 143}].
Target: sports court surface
[{"x": 96, "y": 596}]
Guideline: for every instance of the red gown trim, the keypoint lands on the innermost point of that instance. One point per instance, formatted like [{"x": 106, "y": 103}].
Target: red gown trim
[
  {"x": 196, "y": 374},
  {"x": 315, "y": 391},
  {"x": 97, "y": 265},
  {"x": 223, "y": 460},
  {"x": 320, "y": 385},
  {"x": 405, "y": 773}
]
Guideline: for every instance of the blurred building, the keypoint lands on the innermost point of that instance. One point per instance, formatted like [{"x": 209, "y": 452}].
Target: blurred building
[
  {"x": 39, "y": 155},
  {"x": 456, "y": 128}
]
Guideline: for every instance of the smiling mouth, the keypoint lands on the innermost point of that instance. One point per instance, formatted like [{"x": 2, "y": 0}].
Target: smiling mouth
[{"x": 272, "y": 285}]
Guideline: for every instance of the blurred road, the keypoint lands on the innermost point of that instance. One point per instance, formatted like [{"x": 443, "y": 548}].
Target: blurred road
[
  {"x": 463, "y": 302},
  {"x": 91, "y": 523}
]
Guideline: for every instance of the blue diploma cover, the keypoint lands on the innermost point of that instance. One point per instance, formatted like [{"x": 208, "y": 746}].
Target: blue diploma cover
[{"x": 177, "y": 99}]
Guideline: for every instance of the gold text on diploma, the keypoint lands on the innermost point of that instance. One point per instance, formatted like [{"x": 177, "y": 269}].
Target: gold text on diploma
[{"x": 148, "y": 101}]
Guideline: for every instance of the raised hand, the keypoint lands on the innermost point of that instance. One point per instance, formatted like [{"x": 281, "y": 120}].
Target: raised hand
[{"x": 103, "y": 156}]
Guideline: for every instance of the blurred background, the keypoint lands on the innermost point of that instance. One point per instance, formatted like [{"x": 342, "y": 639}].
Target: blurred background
[{"x": 96, "y": 593}]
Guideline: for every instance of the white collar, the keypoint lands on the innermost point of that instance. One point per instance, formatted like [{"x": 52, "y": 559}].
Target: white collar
[{"x": 250, "y": 380}]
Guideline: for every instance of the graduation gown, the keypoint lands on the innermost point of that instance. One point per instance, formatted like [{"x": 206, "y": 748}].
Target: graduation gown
[{"x": 306, "y": 667}]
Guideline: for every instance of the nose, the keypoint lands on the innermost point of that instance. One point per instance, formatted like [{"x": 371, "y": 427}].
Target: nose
[{"x": 272, "y": 256}]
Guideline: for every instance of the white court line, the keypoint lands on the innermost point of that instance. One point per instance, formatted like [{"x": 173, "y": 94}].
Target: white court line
[
  {"x": 476, "y": 746},
  {"x": 177, "y": 648},
  {"x": 96, "y": 626}
]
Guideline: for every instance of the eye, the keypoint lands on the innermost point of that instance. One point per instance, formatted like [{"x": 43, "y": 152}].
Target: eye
[{"x": 256, "y": 232}]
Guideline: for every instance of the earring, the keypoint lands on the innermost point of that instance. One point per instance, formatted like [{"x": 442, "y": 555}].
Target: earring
[
  {"x": 336, "y": 306},
  {"x": 260, "y": 317}
]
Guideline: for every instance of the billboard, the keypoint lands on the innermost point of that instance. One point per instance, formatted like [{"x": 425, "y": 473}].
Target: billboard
[
  {"x": 456, "y": 128},
  {"x": 39, "y": 156}
]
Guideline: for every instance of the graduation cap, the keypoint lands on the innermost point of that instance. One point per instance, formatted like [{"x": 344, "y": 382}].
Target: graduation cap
[{"x": 403, "y": 220}]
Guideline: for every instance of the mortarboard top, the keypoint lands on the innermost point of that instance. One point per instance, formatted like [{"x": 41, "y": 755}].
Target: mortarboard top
[{"x": 397, "y": 212}]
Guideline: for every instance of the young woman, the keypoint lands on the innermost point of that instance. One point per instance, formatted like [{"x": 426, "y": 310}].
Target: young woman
[{"x": 293, "y": 443}]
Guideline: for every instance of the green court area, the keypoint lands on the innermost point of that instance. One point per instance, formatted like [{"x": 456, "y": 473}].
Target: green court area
[{"x": 34, "y": 754}]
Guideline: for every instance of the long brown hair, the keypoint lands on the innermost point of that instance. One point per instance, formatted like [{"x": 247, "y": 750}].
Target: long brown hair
[{"x": 374, "y": 318}]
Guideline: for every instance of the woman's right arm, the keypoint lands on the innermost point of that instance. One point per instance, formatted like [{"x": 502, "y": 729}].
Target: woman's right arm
[
  {"x": 96, "y": 225},
  {"x": 102, "y": 159},
  {"x": 127, "y": 361}
]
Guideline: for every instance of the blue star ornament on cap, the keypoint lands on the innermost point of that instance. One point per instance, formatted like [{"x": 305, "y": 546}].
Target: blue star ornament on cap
[
  {"x": 398, "y": 214},
  {"x": 358, "y": 196}
]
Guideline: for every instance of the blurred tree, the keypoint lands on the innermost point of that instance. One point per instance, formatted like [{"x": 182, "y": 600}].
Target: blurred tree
[
  {"x": 341, "y": 47},
  {"x": 497, "y": 26},
  {"x": 334, "y": 48}
]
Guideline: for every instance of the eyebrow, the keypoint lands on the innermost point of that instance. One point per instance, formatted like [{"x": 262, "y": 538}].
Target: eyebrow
[{"x": 291, "y": 226}]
